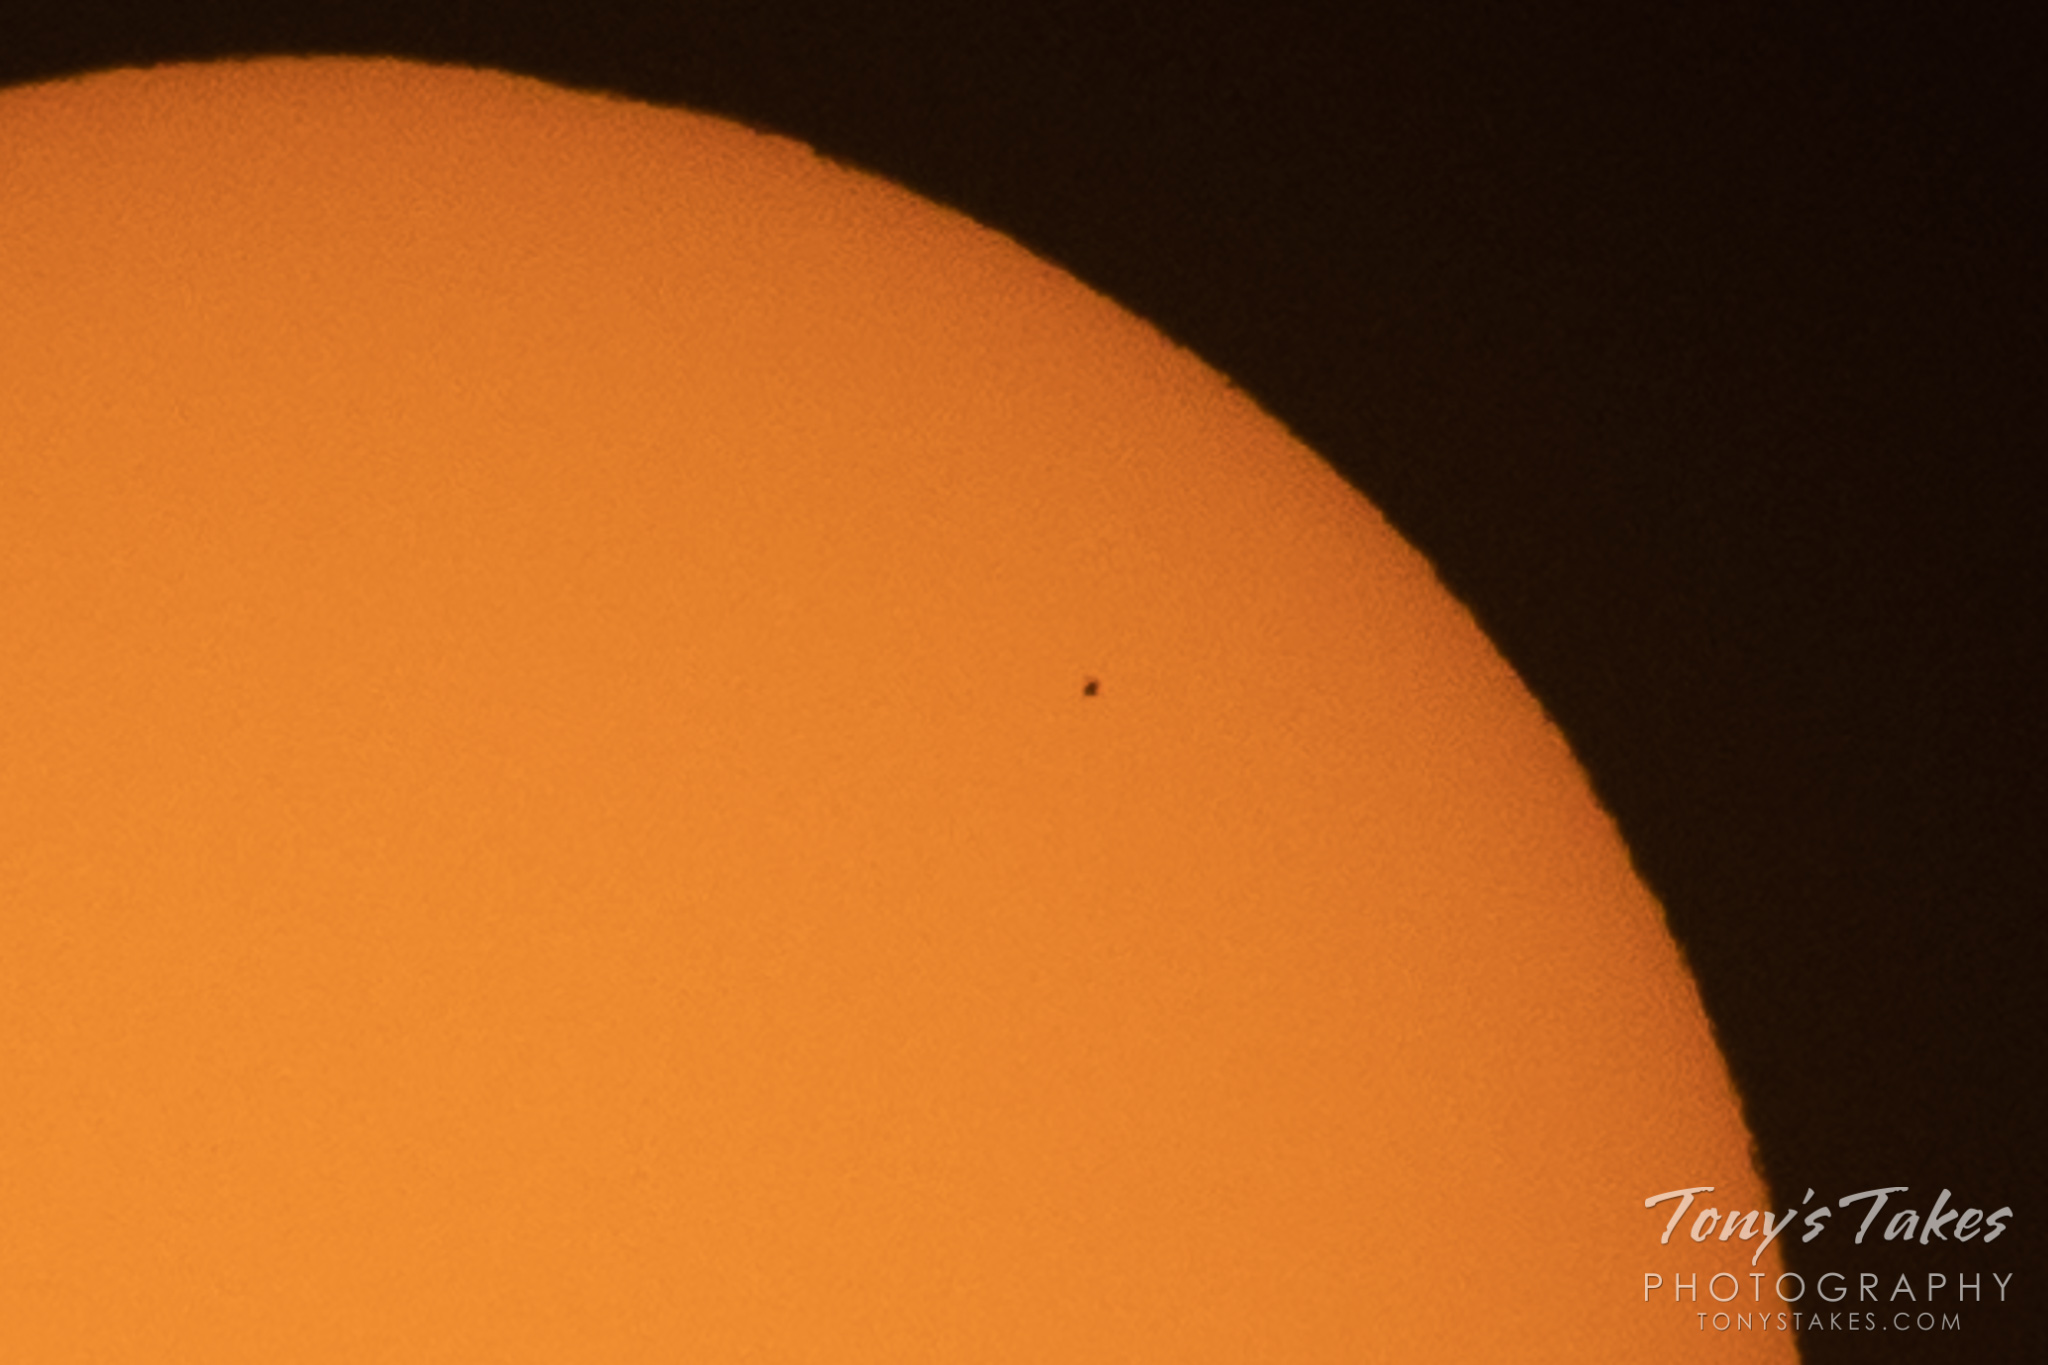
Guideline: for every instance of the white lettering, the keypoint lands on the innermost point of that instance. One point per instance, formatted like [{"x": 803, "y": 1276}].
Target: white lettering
[
  {"x": 1748, "y": 1226},
  {"x": 1875, "y": 1209},
  {"x": 1935, "y": 1218},
  {"x": 1685, "y": 1202},
  {"x": 1772, "y": 1227},
  {"x": 1813, "y": 1227}
]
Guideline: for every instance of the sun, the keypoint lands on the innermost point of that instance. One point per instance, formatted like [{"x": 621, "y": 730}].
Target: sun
[{"x": 625, "y": 743}]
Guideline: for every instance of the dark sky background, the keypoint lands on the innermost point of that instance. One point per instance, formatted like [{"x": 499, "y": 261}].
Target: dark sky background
[{"x": 1700, "y": 346}]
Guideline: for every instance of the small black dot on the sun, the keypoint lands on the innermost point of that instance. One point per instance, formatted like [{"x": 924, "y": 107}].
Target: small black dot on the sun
[{"x": 1091, "y": 688}]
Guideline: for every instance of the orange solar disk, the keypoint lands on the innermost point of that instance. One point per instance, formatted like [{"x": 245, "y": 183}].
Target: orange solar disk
[{"x": 624, "y": 744}]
